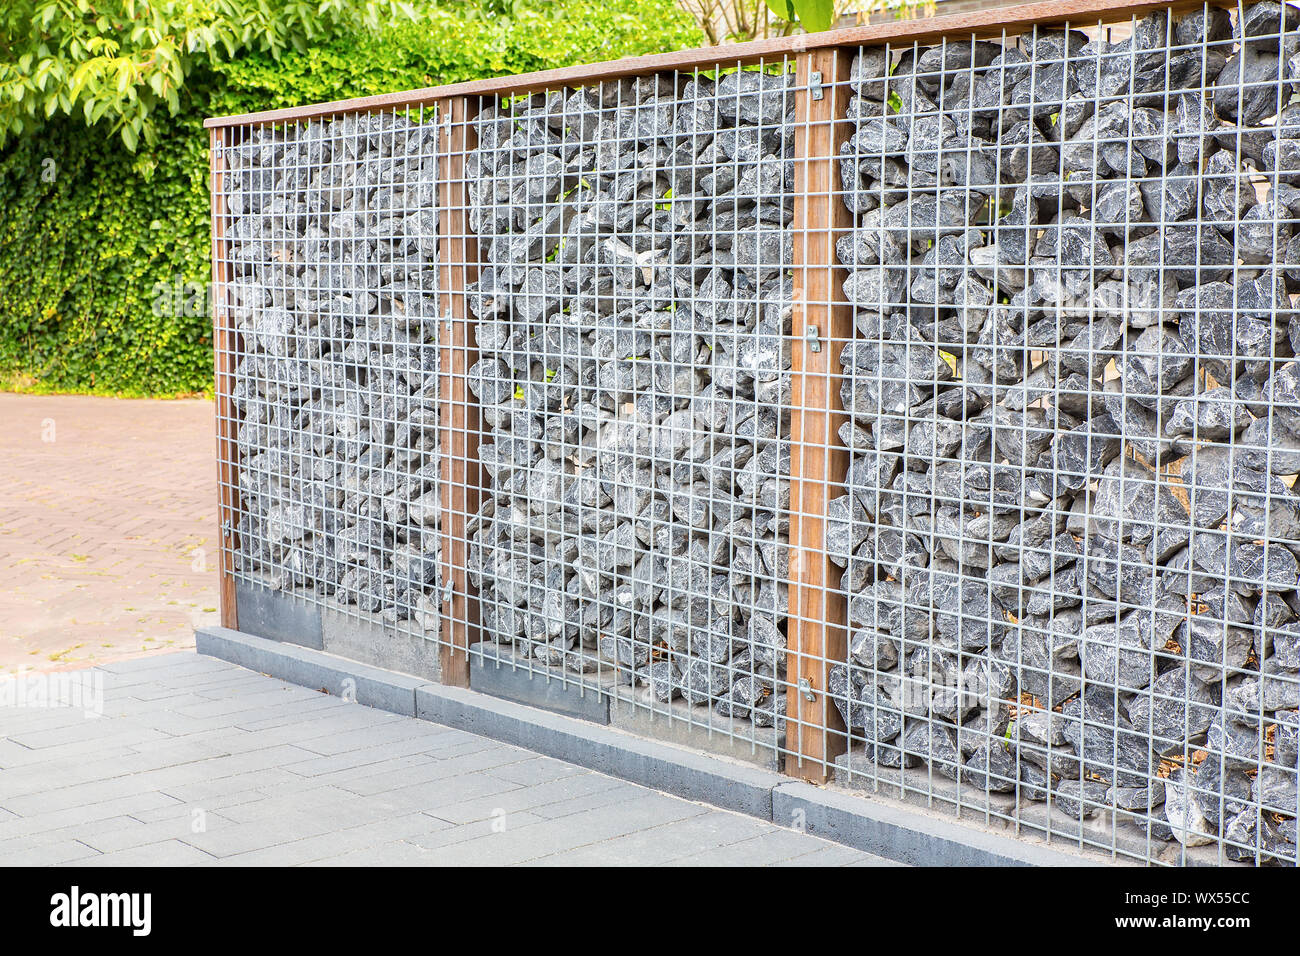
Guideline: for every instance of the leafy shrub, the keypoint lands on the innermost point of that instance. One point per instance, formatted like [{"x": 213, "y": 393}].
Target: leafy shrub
[{"x": 103, "y": 263}]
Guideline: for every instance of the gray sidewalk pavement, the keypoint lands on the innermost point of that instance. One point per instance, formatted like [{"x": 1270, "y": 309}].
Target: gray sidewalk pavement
[{"x": 197, "y": 761}]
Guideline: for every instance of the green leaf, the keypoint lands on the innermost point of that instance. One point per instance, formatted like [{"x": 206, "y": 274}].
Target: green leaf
[
  {"x": 783, "y": 9},
  {"x": 815, "y": 15}
]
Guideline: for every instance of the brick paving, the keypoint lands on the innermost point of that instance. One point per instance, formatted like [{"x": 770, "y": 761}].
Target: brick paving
[
  {"x": 107, "y": 528},
  {"x": 196, "y": 761}
]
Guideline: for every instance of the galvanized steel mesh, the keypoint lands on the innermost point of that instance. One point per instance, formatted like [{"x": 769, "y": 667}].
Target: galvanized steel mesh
[
  {"x": 329, "y": 236},
  {"x": 632, "y": 325},
  {"x": 1068, "y": 532},
  {"x": 1069, "y": 525}
]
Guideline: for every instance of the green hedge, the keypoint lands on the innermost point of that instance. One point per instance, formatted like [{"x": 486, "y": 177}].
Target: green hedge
[
  {"x": 86, "y": 231},
  {"x": 104, "y": 253}
]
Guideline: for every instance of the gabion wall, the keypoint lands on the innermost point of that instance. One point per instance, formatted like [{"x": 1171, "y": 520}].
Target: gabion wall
[
  {"x": 1070, "y": 532},
  {"x": 633, "y": 311},
  {"x": 330, "y": 234}
]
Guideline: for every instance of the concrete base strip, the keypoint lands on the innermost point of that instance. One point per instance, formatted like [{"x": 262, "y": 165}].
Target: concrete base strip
[
  {"x": 501, "y": 675},
  {"x": 279, "y": 616},
  {"x": 884, "y": 829}
]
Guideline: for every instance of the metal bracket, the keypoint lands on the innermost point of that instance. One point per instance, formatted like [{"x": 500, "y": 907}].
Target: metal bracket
[
  {"x": 812, "y": 335},
  {"x": 806, "y": 688},
  {"x": 226, "y": 530},
  {"x": 447, "y": 591},
  {"x": 815, "y": 84}
]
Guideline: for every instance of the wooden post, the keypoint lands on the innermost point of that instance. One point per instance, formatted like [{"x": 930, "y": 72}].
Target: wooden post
[
  {"x": 224, "y": 340},
  {"x": 461, "y": 474},
  {"x": 817, "y": 638}
]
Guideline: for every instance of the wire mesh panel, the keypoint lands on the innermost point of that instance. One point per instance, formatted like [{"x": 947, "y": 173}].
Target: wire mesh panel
[
  {"x": 326, "y": 266},
  {"x": 1070, "y": 529},
  {"x": 572, "y": 423},
  {"x": 632, "y": 311}
]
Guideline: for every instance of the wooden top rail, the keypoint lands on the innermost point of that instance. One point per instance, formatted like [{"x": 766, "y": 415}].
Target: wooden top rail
[{"x": 988, "y": 22}]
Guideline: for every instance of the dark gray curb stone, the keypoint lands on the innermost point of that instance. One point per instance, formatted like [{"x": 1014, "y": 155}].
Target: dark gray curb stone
[
  {"x": 905, "y": 835},
  {"x": 886, "y": 830},
  {"x": 371, "y": 686}
]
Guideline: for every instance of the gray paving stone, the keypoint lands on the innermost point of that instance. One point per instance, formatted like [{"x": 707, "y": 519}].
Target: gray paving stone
[
  {"x": 833, "y": 854},
  {"x": 660, "y": 844},
  {"x": 49, "y": 788},
  {"x": 298, "y": 725},
  {"x": 52, "y": 756},
  {"x": 362, "y": 760},
  {"x": 225, "y": 839},
  {"x": 593, "y": 800},
  {"x": 87, "y": 735},
  {"x": 171, "y": 664},
  {"x": 138, "y": 834},
  {"x": 119, "y": 704},
  {"x": 536, "y": 770},
  {"x": 219, "y": 768},
  {"x": 78, "y": 831},
  {"x": 329, "y": 845},
  {"x": 68, "y": 798},
  {"x": 777, "y": 845},
  {"x": 504, "y": 824},
  {"x": 368, "y": 738},
  {"x": 395, "y": 764},
  {"x": 19, "y": 720},
  {"x": 38, "y": 776},
  {"x": 167, "y": 853},
  {"x": 172, "y": 723},
  {"x": 256, "y": 685},
  {"x": 344, "y": 808},
  {"x": 554, "y": 798},
  {"x": 217, "y": 803},
  {"x": 393, "y": 853},
  {"x": 244, "y": 702},
  {"x": 180, "y": 685},
  {"x": 90, "y": 813},
  {"x": 431, "y": 794},
  {"x": 205, "y": 791},
  {"x": 553, "y": 836},
  {"x": 49, "y": 854},
  {"x": 440, "y": 770},
  {"x": 285, "y": 775}
]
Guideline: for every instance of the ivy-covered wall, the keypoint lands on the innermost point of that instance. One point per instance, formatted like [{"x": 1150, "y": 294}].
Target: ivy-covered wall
[{"x": 104, "y": 254}]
